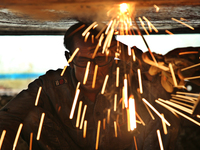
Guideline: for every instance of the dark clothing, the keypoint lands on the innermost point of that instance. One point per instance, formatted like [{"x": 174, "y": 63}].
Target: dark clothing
[{"x": 59, "y": 132}]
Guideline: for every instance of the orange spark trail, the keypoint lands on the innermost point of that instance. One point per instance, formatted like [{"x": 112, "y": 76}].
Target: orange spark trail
[
  {"x": 17, "y": 136},
  {"x": 38, "y": 96},
  {"x": 2, "y": 137},
  {"x": 40, "y": 126},
  {"x": 183, "y": 23}
]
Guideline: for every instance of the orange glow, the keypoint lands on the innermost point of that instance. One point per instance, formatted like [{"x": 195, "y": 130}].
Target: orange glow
[
  {"x": 97, "y": 137},
  {"x": 167, "y": 31},
  {"x": 94, "y": 77},
  {"x": 85, "y": 129},
  {"x": 157, "y": 8},
  {"x": 124, "y": 7},
  {"x": 31, "y": 141}
]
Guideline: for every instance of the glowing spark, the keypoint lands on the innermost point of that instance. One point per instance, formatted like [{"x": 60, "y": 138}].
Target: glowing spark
[
  {"x": 183, "y": 23},
  {"x": 83, "y": 116},
  {"x": 189, "y": 78},
  {"x": 125, "y": 91},
  {"x": 85, "y": 129},
  {"x": 17, "y": 136},
  {"x": 111, "y": 21},
  {"x": 173, "y": 75},
  {"x": 129, "y": 50},
  {"x": 97, "y": 137},
  {"x": 123, "y": 7},
  {"x": 38, "y": 96},
  {"x": 160, "y": 140},
  {"x": 115, "y": 102},
  {"x": 92, "y": 38},
  {"x": 104, "y": 123},
  {"x": 148, "y": 23},
  {"x": 145, "y": 42},
  {"x": 117, "y": 77},
  {"x": 144, "y": 100},
  {"x": 184, "y": 19},
  {"x": 132, "y": 114},
  {"x": 157, "y": 8},
  {"x": 140, "y": 81},
  {"x": 149, "y": 111},
  {"x": 133, "y": 52},
  {"x": 86, "y": 72},
  {"x": 31, "y": 141},
  {"x": 86, "y": 30},
  {"x": 2, "y": 137},
  {"x": 108, "y": 116},
  {"x": 143, "y": 25},
  {"x": 191, "y": 52},
  {"x": 164, "y": 126},
  {"x": 74, "y": 103},
  {"x": 176, "y": 111},
  {"x": 177, "y": 106},
  {"x": 190, "y": 67},
  {"x": 94, "y": 77},
  {"x": 104, "y": 84},
  {"x": 141, "y": 121},
  {"x": 115, "y": 127},
  {"x": 167, "y": 31},
  {"x": 187, "y": 93},
  {"x": 40, "y": 126},
  {"x": 86, "y": 37},
  {"x": 70, "y": 60},
  {"x": 135, "y": 142},
  {"x": 128, "y": 119},
  {"x": 79, "y": 114},
  {"x": 78, "y": 85},
  {"x": 174, "y": 101}
]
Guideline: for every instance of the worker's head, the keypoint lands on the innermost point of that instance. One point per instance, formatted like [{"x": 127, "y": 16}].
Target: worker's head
[{"x": 74, "y": 39}]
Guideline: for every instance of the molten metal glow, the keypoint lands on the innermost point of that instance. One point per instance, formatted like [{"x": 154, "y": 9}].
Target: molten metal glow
[{"x": 123, "y": 7}]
